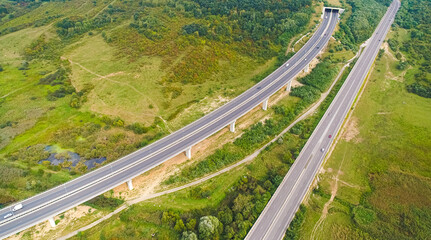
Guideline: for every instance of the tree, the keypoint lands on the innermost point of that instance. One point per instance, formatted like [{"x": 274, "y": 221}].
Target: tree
[
  {"x": 225, "y": 216},
  {"x": 243, "y": 228},
  {"x": 267, "y": 185},
  {"x": 189, "y": 235},
  {"x": 209, "y": 227},
  {"x": 381, "y": 52},
  {"x": 229, "y": 232},
  {"x": 179, "y": 226},
  {"x": 75, "y": 101},
  {"x": 402, "y": 65},
  {"x": 242, "y": 203},
  {"x": 191, "y": 224},
  {"x": 170, "y": 218}
]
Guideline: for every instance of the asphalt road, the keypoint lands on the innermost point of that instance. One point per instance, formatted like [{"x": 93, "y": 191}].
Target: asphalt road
[
  {"x": 59, "y": 199},
  {"x": 281, "y": 209}
]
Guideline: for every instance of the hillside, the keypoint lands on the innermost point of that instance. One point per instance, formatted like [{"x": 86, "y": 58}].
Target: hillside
[{"x": 86, "y": 82}]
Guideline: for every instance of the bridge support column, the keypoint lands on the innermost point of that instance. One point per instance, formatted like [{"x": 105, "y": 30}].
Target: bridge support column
[
  {"x": 130, "y": 184},
  {"x": 232, "y": 126},
  {"x": 265, "y": 104},
  {"x": 51, "y": 221},
  {"x": 189, "y": 152},
  {"x": 307, "y": 68},
  {"x": 289, "y": 86}
]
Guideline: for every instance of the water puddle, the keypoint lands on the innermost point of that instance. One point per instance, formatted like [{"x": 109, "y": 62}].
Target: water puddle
[{"x": 72, "y": 157}]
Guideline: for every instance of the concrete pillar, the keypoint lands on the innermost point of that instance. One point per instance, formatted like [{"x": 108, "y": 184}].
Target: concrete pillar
[
  {"x": 265, "y": 104},
  {"x": 289, "y": 86},
  {"x": 232, "y": 126},
  {"x": 189, "y": 152},
  {"x": 130, "y": 184},
  {"x": 51, "y": 221},
  {"x": 307, "y": 68}
]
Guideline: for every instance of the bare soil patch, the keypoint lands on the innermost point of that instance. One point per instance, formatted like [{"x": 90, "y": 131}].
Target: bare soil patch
[
  {"x": 351, "y": 130},
  {"x": 68, "y": 221}
]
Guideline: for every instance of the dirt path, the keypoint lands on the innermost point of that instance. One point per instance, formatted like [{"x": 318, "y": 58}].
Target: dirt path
[
  {"x": 288, "y": 47},
  {"x": 334, "y": 189},
  {"x": 121, "y": 208},
  {"x": 11, "y": 92},
  {"x": 103, "y": 9}
]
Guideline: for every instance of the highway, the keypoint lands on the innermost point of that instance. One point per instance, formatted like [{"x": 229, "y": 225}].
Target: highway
[
  {"x": 61, "y": 198},
  {"x": 281, "y": 209}
]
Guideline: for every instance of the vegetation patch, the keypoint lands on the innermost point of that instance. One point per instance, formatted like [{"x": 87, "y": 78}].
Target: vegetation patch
[
  {"x": 358, "y": 25},
  {"x": 416, "y": 47},
  {"x": 363, "y": 216},
  {"x": 293, "y": 230},
  {"x": 104, "y": 203}
]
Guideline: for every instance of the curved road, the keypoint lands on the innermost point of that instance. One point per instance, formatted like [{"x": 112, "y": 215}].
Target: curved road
[
  {"x": 280, "y": 210},
  {"x": 61, "y": 198}
]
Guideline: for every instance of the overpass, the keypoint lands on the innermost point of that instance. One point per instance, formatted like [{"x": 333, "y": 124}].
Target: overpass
[
  {"x": 48, "y": 204},
  {"x": 281, "y": 208}
]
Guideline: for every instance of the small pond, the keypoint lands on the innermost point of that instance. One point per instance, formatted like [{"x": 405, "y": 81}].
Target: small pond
[{"x": 74, "y": 158}]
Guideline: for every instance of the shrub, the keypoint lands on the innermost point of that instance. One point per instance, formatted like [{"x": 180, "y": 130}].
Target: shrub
[
  {"x": 363, "y": 216},
  {"x": 137, "y": 128},
  {"x": 60, "y": 93},
  {"x": 6, "y": 124},
  {"x": 308, "y": 93},
  {"x": 24, "y": 66},
  {"x": 58, "y": 77},
  {"x": 293, "y": 230},
  {"x": 102, "y": 202},
  {"x": 118, "y": 122},
  {"x": 419, "y": 89},
  {"x": 402, "y": 65},
  {"x": 189, "y": 235},
  {"x": 321, "y": 76},
  {"x": 209, "y": 227}
]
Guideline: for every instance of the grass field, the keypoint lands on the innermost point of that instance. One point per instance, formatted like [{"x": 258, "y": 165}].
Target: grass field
[
  {"x": 11, "y": 45},
  {"x": 379, "y": 173},
  {"x": 120, "y": 88},
  {"x": 132, "y": 90}
]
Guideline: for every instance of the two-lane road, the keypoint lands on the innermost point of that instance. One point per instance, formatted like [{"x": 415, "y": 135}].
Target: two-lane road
[
  {"x": 280, "y": 210},
  {"x": 59, "y": 199}
]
